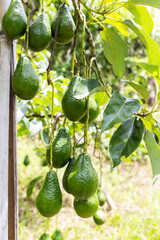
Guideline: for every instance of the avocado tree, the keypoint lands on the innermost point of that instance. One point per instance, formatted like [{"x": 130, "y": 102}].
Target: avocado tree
[{"x": 84, "y": 101}]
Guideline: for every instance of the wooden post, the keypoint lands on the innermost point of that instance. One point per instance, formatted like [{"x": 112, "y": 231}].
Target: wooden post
[{"x": 8, "y": 169}]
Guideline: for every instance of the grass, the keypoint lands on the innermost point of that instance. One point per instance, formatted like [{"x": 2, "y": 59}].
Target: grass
[{"x": 137, "y": 203}]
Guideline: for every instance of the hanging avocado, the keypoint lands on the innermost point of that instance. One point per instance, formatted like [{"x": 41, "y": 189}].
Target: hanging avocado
[
  {"x": 67, "y": 26},
  {"x": 40, "y": 33},
  {"x": 25, "y": 80},
  {"x": 14, "y": 22}
]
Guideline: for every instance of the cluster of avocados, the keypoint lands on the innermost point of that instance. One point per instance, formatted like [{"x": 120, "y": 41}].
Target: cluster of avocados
[
  {"x": 80, "y": 178},
  {"x": 14, "y": 23},
  {"x": 57, "y": 235}
]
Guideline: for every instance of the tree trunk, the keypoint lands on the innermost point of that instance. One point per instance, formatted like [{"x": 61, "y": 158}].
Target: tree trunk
[{"x": 8, "y": 169}]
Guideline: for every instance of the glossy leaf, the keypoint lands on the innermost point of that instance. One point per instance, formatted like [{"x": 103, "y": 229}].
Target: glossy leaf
[
  {"x": 118, "y": 110},
  {"x": 101, "y": 98},
  {"x": 154, "y": 154},
  {"x": 152, "y": 47},
  {"x": 152, "y": 69},
  {"x": 126, "y": 139},
  {"x": 31, "y": 185},
  {"x": 115, "y": 20},
  {"x": 152, "y": 3},
  {"x": 141, "y": 17},
  {"x": 139, "y": 88},
  {"x": 86, "y": 87},
  {"x": 34, "y": 127},
  {"x": 115, "y": 50}
]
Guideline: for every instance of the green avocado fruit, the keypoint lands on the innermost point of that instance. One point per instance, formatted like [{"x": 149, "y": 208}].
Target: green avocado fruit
[
  {"x": 83, "y": 179},
  {"x": 101, "y": 196},
  {"x": 86, "y": 208},
  {"x": 49, "y": 198},
  {"x": 99, "y": 217},
  {"x": 14, "y": 22},
  {"x": 40, "y": 33},
  {"x": 74, "y": 109},
  {"x": 25, "y": 81},
  {"x": 26, "y": 161},
  {"x": 45, "y": 236},
  {"x": 61, "y": 150},
  {"x": 67, "y": 172},
  {"x": 57, "y": 235},
  {"x": 67, "y": 26},
  {"x": 93, "y": 111}
]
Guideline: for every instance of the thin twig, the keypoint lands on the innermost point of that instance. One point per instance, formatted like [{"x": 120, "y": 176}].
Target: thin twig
[{"x": 53, "y": 46}]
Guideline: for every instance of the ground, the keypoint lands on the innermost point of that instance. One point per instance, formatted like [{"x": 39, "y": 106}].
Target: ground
[{"x": 137, "y": 201}]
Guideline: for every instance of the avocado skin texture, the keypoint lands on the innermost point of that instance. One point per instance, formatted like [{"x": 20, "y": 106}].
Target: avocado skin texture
[
  {"x": 101, "y": 196},
  {"x": 74, "y": 109},
  {"x": 40, "y": 33},
  {"x": 93, "y": 112},
  {"x": 66, "y": 28},
  {"x": 98, "y": 217},
  {"x": 62, "y": 147},
  {"x": 67, "y": 172},
  {"x": 45, "y": 236},
  {"x": 83, "y": 179},
  {"x": 25, "y": 80},
  {"x": 49, "y": 198},
  {"x": 57, "y": 235},
  {"x": 86, "y": 208},
  {"x": 14, "y": 22}
]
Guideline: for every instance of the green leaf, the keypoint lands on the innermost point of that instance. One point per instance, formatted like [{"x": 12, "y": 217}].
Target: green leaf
[
  {"x": 44, "y": 136},
  {"x": 34, "y": 127},
  {"x": 152, "y": 69},
  {"x": 31, "y": 185},
  {"x": 115, "y": 20},
  {"x": 126, "y": 139},
  {"x": 154, "y": 154},
  {"x": 21, "y": 112},
  {"x": 152, "y": 3},
  {"x": 115, "y": 50},
  {"x": 101, "y": 98},
  {"x": 152, "y": 47},
  {"x": 141, "y": 17},
  {"x": 140, "y": 89},
  {"x": 86, "y": 87},
  {"x": 118, "y": 110}
]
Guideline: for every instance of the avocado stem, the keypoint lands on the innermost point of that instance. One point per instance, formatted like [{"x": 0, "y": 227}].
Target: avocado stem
[
  {"x": 86, "y": 126},
  {"x": 74, "y": 138},
  {"x": 52, "y": 129},
  {"x": 42, "y": 6},
  {"x": 28, "y": 21}
]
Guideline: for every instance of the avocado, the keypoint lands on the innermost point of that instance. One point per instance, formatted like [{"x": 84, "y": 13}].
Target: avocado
[
  {"x": 26, "y": 161},
  {"x": 93, "y": 111},
  {"x": 45, "y": 236},
  {"x": 101, "y": 196},
  {"x": 99, "y": 217},
  {"x": 74, "y": 109},
  {"x": 83, "y": 179},
  {"x": 57, "y": 235},
  {"x": 67, "y": 172},
  {"x": 62, "y": 147},
  {"x": 40, "y": 33},
  {"x": 14, "y": 22},
  {"x": 25, "y": 81},
  {"x": 49, "y": 198},
  {"x": 86, "y": 208},
  {"x": 67, "y": 26}
]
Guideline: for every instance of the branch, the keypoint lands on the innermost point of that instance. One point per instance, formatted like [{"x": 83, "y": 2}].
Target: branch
[{"x": 53, "y": 47}]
